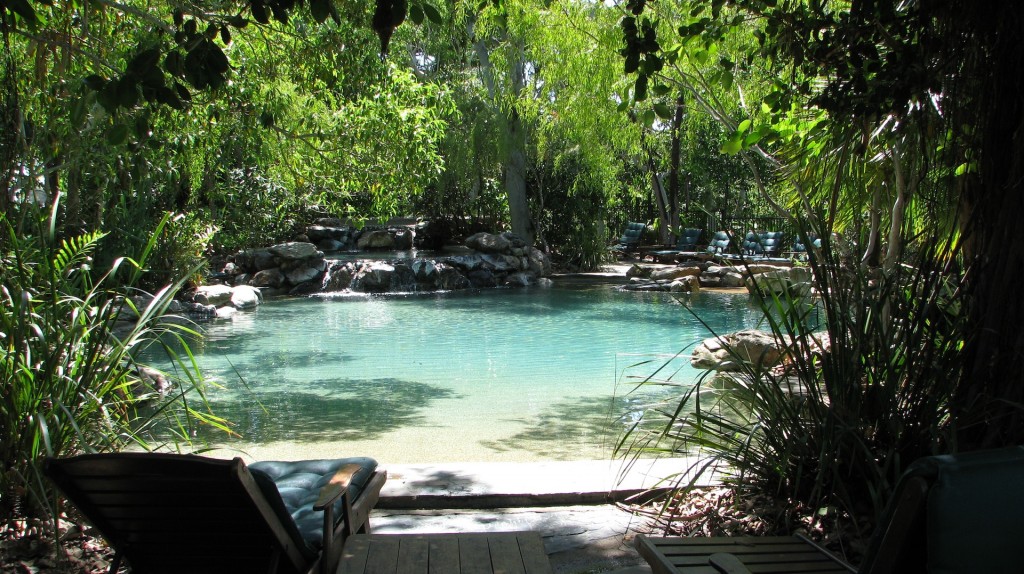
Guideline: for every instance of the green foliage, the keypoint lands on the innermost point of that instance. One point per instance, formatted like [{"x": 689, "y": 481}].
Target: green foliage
[
  {"x": 851, "y": 406},
  {"x": 68, "y": 378},
  {"x": 146, "y": 122}
]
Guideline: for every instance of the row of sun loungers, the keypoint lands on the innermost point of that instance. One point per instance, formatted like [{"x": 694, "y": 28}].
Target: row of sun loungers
[{"x": 764, "y": 246}]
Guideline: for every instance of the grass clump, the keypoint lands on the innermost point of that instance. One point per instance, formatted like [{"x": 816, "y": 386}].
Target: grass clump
[
  {"x": 870, "y": 365},
  {"x": 69, "y": 378}
]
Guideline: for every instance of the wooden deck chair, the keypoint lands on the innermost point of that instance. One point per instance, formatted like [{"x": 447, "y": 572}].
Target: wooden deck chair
[
  {"x": 184, "y": 513},
  {"x": 954, "y": 514}
]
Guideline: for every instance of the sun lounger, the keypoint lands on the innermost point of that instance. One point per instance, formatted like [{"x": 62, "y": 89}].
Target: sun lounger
[
  {"x": 183, "y": 513},
  {"x": 950, "y": 514}
]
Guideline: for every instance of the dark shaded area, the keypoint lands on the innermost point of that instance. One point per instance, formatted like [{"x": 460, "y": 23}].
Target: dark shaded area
[
  {"x": 565, "y": 428},
  {"x": 352, "y": 408},
  {"x": 269, "y": 365}
]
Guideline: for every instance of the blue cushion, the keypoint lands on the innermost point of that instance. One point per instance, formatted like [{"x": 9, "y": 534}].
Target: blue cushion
[
  {"x": 299, "y": 483},
  {"x": 974, "y": 510}
]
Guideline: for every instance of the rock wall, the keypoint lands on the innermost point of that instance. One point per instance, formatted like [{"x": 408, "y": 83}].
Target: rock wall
[
  {"x": 759, "y": 279},
  {"x": 302, "y": 268}
]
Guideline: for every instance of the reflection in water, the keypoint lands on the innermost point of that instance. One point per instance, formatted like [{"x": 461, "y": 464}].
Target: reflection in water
[{"x": 492, "y": 375}]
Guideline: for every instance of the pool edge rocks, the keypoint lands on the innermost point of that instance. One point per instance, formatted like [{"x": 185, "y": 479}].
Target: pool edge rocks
[{"x": 300, "y": 268}]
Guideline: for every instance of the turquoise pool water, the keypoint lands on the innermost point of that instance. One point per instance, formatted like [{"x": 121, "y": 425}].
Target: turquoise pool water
[{"x": 497, "y": 375}]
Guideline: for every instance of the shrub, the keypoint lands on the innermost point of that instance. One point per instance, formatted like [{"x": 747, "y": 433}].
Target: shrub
[
  {"x": 838, "y": 422},
  {"x": 68, "y": 378}
]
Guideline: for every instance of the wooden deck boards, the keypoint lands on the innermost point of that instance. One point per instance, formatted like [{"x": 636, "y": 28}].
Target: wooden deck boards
[{"x": 464, "y": 553}]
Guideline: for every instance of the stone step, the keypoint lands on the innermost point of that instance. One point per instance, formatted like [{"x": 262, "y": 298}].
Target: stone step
[{"x": 530, "y": 484}]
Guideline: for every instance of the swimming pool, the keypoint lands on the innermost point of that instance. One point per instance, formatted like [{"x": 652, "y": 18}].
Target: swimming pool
[{"x": 495, "y": 375}]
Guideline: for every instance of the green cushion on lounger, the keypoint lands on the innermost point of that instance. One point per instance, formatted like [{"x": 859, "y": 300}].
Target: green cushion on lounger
[{"x": 299, "y": 484}]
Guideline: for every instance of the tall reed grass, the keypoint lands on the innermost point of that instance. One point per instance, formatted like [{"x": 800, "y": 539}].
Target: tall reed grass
[
  {"x": 851, "y": 406},
  {"x": 69, "y": 380}
]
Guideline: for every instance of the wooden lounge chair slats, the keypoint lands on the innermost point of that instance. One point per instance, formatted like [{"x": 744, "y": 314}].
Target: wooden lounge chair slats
[
  {"x": 951, "y": 514},
  {"x": 757, "y": 554},
  {"x": 184, "y": 513}
]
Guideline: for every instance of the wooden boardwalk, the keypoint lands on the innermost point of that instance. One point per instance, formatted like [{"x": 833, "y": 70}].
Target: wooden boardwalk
[{"x": 468, "y": 553}]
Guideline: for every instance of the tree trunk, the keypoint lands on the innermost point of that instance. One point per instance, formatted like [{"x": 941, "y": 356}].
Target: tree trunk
[
  {"x": 674, "y": 163},
  {"x": 515, "y": 159},
  {"x": 870, "y": 257},
  {"x": 515, "y": 180},
  {"x": 988, "y": 404},
  {"x": 658, "y": 191}
]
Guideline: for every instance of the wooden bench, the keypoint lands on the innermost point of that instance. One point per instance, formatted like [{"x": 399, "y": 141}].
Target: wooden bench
[{"x": 464, "y": 553}]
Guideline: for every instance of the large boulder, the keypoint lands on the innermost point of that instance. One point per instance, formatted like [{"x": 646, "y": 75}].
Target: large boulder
[
  {"x": 638, "y": 284},
  {"x": 216, "y": 295},
  {"x": 520, "y": 280},
  {"x": 268, "y": 278},
  {"x": 373, "y": 278},
  {"x": 338, "y": 276},
  {"x": 501, "y": 263},
  {"x": 329, "y": 222},
  {"x": 538, "y": 262},
  {"x": 403, "y": 279},
  {"x": 719, "y": 276},
  {"x": 318, "y": 233},
  {"x": 637, "y": 270},
  {"x": 466, "y": 263},
  {"x": 330, "y": 245},
  {"x": 375, "y": 239},
  {"x": 306, "y": 270},
  {"x": 253, "y": 260},
  {"x": 736, "y": 351},
  {"x": 515, "y": 241},
  {"x": 732, "y": 279},
  {"x": 488, "y": 243},
  {"x": 482, "y": 278},
  {"x": 295, "y": 250},
  {"x": 450, "y": 279},
  {"x": 794, "y": 282},
  {"x": 673, "y": 273},
  {"x": 686, "y": 284},
  {"x": 263, "y": 259},
  {"x": 245, "y": 297},
  {"x": 755, "y": 268},
  {"x": 402, "y": 238},
  {"x": 424, "y": 270},
  {"x": 431, "y": 234}
]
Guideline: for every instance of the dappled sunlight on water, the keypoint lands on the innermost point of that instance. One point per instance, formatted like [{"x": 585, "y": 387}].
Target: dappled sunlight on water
[{"x": 531, "y": 374}]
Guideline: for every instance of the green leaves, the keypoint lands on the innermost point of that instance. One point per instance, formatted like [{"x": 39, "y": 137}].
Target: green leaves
[
  {"x": 22, "y": 9},
  {"x": 418, "y": 10},
  {"x": 744, "y": 137},
  {"x": 116, "y": 134},
  {"x": 640, "y": 52},
  {"x": 87, "y": 396}
]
